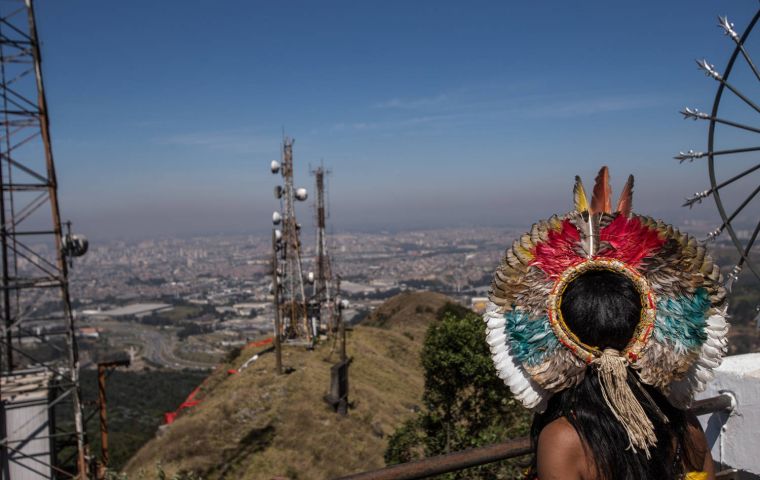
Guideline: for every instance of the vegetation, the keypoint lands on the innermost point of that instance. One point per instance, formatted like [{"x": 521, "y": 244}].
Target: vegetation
[
  {"x": 465, "y": 404},
  {"x": 255, "y": 424},
  {"x": 137, "y": 402}
]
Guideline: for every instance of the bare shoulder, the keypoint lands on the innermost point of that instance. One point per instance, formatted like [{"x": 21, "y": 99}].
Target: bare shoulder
[{"x": 560, "y": 452}]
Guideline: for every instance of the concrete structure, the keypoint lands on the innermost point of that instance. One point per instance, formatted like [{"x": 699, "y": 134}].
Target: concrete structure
[
  {"x": 735, "y": 437},
  {"x": 25, "y": 396}
]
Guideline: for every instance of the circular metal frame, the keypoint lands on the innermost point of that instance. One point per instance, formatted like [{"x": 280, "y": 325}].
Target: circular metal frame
[{"x": 715, "y": 188}]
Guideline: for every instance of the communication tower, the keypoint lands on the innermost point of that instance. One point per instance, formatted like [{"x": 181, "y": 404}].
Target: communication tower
[
  {"x": 323, "y": 293},
  {"x": 41, "y": 415},
  {"x": 288, "y": 280}
]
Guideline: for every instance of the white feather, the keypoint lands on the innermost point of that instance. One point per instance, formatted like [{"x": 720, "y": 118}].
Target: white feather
[
  {"x": 495, "y": 323},
  {"x": 495, "y": 337},
  {"x": 701, "y": 373}
]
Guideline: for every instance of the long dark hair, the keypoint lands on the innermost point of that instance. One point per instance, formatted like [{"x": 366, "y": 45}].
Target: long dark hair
[{"x": 603, "y": 308}]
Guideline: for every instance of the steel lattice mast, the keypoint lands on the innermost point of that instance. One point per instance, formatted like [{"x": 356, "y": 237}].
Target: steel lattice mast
[
  {"x": 323, "y": 294},
  {"x": 288, "y": 271},
  {"x": 39, "y": 352}
]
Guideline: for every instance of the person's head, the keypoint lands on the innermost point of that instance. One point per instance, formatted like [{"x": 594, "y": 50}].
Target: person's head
[{"x": 602, "y": 308}]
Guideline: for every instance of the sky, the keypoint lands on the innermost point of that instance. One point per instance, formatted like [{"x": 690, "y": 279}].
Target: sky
[{"x": 165, "y": 115}]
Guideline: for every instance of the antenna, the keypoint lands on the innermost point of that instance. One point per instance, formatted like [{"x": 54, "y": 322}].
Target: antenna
[
  {"x": 288, "y": 279},
  {"x": 39, "y": 362},
  {"x": 323, "y": 297}
]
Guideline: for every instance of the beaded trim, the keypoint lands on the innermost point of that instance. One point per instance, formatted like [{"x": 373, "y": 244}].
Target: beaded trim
[{"x": 588, "y": 353}]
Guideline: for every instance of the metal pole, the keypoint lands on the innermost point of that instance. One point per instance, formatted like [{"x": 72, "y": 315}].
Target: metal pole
[
  {"x": 103, "y": 421},
  {"x": 102, "y": 403},
  {"x": 341, "y": 326},
  {"x": 276, "y": 291},
  {"x": 448, "y": 463}
]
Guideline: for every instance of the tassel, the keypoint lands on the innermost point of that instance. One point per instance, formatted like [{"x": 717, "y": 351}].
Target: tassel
[{"x": 612, "y": 369}]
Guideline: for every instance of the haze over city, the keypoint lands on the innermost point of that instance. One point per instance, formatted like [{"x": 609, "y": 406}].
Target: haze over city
[{"x": 429, "y": 114}]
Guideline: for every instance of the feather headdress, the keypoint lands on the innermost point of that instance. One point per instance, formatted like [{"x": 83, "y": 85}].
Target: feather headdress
[{"x": 680, "y": 339}]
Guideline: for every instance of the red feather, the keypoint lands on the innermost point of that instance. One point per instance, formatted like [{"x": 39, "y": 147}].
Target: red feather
[
  {"x": 629, "y": 241},
  {"x": 558, "y": 252},
  {"x": 601, "y": 201}
]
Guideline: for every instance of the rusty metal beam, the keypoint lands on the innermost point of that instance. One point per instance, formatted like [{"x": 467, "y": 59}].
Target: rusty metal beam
[{"x": 448, "y": 463}]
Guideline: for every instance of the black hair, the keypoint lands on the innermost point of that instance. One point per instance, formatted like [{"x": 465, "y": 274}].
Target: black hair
[{"x": 602, "y": 308}]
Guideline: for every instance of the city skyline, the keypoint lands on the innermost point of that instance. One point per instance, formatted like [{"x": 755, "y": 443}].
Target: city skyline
[{"x": 165, "y": 118}]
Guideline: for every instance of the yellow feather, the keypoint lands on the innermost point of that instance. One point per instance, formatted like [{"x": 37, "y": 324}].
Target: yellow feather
[{"x": 579, "y": 195}]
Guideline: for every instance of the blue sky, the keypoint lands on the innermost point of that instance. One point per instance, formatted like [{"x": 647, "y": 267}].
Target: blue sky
[{"x": 165, "y": 115}]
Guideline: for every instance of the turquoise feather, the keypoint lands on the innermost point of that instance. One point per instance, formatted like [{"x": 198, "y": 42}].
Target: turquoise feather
[
  {"x": 681, "y": 321},
  {"x": 531, "y": 340}
]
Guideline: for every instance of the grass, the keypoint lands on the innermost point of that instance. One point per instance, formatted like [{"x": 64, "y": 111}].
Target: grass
[{"x": 256, "y": 424}]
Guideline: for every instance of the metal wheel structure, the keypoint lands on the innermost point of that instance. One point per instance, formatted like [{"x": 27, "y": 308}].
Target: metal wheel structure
[
  {"x": 41, "y": 421},
  {"x": 732, "y": 146}
]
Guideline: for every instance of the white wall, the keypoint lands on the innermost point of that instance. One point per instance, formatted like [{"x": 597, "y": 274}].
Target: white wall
[{"x": 735, "y": 437}]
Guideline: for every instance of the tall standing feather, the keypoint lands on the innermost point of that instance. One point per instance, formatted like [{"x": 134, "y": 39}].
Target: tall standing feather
[
  {"x": 601, "y": 199},
  {"x": 579, "y": 196},
  {"x": 625, "y": 202}
]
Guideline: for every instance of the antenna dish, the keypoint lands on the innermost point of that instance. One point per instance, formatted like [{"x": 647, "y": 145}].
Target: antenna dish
[
  {"x": 275, "y": 166},
  {"x": 310, "y": 277},
  {"x": 75, "y": 245},
  {"x": 301, "y": 194},
  {"x": 343, "y": 304},
  {"x": 278, "y": 235},
  {"x": 276, "y": 218},
  {"x": 278, "y": 191}
]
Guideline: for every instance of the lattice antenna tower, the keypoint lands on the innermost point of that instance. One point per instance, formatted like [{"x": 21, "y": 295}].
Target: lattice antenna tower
[
  {"x": 39, "y": 360},
  {"x": 323, "y": 293},
  {"x": 292, "y": 306}
]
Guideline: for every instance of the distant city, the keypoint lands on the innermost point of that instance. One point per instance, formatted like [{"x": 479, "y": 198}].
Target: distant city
[{"x": 185, "y": 303}]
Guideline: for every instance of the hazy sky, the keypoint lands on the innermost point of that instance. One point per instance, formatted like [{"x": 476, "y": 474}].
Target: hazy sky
[{"x": 166, "y": 114}]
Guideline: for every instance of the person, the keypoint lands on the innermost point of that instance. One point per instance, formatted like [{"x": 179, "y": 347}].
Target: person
[{"x": 607, "y": 323}]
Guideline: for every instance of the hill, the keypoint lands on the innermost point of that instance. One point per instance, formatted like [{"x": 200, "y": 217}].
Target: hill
[
  {"x": 258, "y": 425},
  {"x": 407, "y": 311}
]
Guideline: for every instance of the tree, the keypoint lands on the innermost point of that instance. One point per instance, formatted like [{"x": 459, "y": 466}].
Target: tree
[{"x": 465, "y": 404}]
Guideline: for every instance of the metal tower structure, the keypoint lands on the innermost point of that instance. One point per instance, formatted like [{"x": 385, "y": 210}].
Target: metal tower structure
[
  {"x": 290, "y": 299},
  {"x": 323, "y": 294},
  {"x": 41, "y": 417}
]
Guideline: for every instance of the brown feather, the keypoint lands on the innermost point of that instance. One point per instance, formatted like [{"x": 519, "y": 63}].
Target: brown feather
[
  {"x": 601, "y": 200},
  {"x": 625, "y": 202}
]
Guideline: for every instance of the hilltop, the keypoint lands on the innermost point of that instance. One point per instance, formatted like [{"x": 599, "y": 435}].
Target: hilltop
[{"x": 258, "y": 425}]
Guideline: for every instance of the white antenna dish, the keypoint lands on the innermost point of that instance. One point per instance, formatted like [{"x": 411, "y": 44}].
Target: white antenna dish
[
  {"x": 275, "y": 166},
  {"x": 301, "y": 194},
  {"x": 278, "y": 235},
  {"x": 276, "y": 218},
  {"x": 74, "y": 245},
  {"x": 278, "y": 192},
  {"x": 310, "y": 277}
]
